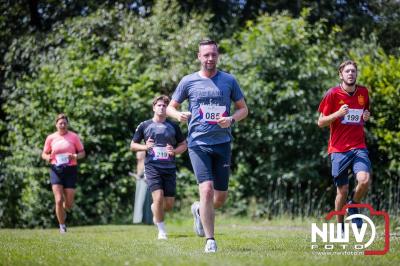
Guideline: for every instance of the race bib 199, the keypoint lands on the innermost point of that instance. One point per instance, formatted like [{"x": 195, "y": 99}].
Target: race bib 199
[
  {"x": 211, "y": 113},
  {"x": 62, "y": 159},
  {"x": 353, "y": 116},
  {"x": 160, "y": 153}
]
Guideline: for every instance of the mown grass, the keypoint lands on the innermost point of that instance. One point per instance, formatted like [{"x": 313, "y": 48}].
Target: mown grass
[{"x": 240, "y": 242}]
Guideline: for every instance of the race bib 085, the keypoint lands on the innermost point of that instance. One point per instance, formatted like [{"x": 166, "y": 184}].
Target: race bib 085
[{"x": 211, "y": 113}]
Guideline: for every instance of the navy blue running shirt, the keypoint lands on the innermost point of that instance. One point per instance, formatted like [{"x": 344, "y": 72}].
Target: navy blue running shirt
[
  {"x": 162, "y": 134},
  {"x": 209, "y": 99}
]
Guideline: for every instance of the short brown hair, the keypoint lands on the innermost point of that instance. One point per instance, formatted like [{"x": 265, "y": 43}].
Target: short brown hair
[
  {"x": 208, "y": 42},
  {"x": 163, "y": 98},
  {"x": 61, "y": 116},
  {"x": 346, "y": 63}
]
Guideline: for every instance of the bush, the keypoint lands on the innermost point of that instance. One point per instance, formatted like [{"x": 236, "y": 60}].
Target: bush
[{"x": 102, "y": 71}]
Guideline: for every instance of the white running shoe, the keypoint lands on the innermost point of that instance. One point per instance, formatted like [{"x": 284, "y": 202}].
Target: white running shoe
[
  {"x": 63, "y": 229},
  {"x": 162, "y": 236},
  {"x": 197, "y": 225},
  {"x": 211, "y": 246}
]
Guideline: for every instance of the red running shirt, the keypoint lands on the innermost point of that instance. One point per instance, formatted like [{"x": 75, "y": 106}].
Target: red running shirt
[{"x": 346, "y": 133}]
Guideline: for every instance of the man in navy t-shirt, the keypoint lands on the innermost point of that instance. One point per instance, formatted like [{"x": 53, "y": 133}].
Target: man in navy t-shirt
[
  {"x": 210, "y": 93},
  {"x": 163, "y": 140}
]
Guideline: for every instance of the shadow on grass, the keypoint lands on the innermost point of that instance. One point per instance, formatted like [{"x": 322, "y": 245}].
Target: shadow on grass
[{"x": 180, "y": 236}]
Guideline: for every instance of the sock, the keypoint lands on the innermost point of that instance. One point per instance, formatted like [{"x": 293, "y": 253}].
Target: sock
[
  {"x": 210, "y": 238},
  {"x": 62, "y": 226},
  {"x": 161, "y": 227}
]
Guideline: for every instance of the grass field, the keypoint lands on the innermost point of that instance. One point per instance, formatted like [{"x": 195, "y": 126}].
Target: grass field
[{"x": 240, "y": 242}]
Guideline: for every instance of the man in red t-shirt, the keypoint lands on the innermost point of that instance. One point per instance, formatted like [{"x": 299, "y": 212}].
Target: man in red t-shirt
[{"x": 345, "y": 109}]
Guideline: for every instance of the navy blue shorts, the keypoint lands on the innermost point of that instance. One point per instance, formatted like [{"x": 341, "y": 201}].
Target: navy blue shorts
[
  {"x": 212, "y": 163},
  {"x": 64, "y": 175},
  {"x": 161, "y": 178},
  {"x": 356, "y": 159}
]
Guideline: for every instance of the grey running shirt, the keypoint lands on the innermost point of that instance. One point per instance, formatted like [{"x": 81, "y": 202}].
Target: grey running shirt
[
  {"x": 209, "y": 99},
  {"x": 162, "y": 134}
]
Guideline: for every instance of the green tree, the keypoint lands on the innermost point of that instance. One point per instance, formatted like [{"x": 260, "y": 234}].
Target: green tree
[
  {"x": 382, "y": 76},
  {"x": 284, "y": 66},
  {"x": 103, "y": 71}
]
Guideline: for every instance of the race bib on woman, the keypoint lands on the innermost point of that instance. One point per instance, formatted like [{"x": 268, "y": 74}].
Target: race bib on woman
[
  {"x": 211, "y": 113},
  {"x": 62, "y": 159},
  {"x": 353, "y": 116},
  {"x": 160, "y": 153}
]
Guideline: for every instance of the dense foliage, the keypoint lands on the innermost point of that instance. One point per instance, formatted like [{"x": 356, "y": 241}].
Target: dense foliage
[{"x": 103, "y": 69}]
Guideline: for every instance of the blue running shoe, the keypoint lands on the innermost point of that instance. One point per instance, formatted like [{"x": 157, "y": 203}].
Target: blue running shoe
[{"x": 351, "y": 211}]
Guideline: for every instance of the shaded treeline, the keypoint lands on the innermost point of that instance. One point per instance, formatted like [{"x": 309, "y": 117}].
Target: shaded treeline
[{"x": 103, "y": 63}]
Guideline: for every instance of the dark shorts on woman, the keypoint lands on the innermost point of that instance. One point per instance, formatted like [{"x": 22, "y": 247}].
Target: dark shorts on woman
[
  {"x": 161, "y": 178},
  {"x": 64, "y": 175}
]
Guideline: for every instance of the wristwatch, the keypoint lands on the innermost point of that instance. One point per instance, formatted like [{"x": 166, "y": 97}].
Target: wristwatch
[{"x": 232, "y": 120}]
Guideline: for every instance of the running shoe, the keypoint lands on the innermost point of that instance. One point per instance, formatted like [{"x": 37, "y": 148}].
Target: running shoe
[
  {"x": 197, "y": 226},
  {"x": 162, "y": 236},
  {"x": 63, "y": 229},
  {"x": 351, "y": 211},
  {"x": 211, "y": 246}
]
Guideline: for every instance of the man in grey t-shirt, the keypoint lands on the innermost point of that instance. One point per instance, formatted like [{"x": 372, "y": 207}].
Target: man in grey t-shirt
[{"x": 210, "y": 93}]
